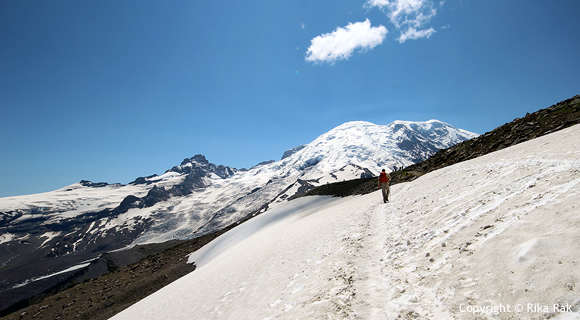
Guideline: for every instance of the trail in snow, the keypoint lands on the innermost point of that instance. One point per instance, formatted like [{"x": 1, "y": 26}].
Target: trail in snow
[
  {"x": 297, "y": 260},
  {"x": 500, "y": 231}
]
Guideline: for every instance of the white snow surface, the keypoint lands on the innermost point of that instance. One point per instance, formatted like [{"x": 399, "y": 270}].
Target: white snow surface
[
  {"x": 73, "y": 268},
  {"x": 72, "y": 200},
  {"x": 497, "y": 237},
  {"x": 343, "y": 153}
]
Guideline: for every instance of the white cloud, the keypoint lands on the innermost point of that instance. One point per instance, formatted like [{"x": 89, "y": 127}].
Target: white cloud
[
  {"x": 413, "y": 33},
  {"x": 340, "y": 44},
  {"x": 409, "y": 16}
]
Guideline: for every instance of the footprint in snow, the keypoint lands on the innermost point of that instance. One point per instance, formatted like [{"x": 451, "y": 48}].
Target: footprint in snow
[
  {"x": 297, "y": 289},
  {"x": 289, "y": 306},
  {"x": 277, "y": 302}
]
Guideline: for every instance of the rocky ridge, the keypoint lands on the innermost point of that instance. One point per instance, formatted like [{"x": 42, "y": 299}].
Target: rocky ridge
[{"x": 556, "y": 117}]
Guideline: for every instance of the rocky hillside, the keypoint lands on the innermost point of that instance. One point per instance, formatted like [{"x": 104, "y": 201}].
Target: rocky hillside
[
  {"x": 103, "y": 297},
  {"x": 559, "y": 116}
]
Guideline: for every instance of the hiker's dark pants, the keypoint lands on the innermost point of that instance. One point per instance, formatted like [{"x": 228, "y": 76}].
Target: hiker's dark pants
[{"x": 386, "y": 190}]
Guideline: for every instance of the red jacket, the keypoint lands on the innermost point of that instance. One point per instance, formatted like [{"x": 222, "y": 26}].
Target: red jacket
[{"x": 383, "y": 177}]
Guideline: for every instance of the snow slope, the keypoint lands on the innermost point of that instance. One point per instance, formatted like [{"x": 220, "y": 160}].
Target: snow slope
[
  {"x": 78, "y": 223},
  {"x": 496, "y": 237},
  {"x": 345, "y": 152}
]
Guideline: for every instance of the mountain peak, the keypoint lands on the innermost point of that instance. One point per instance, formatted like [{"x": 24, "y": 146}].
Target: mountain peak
[
  {"x": 372, "y": 146},
  {"x": 199, "y": 158},
  {"x": 356, "y": 123}
]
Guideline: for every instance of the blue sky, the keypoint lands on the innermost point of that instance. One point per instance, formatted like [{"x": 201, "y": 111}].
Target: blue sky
[{"x": 112, "y": 90}]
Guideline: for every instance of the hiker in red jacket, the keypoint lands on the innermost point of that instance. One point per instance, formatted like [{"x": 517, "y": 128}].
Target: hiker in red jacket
[{"x": 384, "y": 179}]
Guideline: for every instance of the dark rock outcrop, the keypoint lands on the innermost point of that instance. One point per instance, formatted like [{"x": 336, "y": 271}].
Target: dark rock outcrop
[
  {"x": 292, "y": 151},
  {"x": 86, "y": 183}
]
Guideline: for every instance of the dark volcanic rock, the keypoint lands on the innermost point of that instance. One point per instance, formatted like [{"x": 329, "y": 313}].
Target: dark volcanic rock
[
  {"x": 292, "y": 151},
  {"x": 346, "y": 188},
  {"x": 86, "y": 183},
  {"x": 144, "y": 180},
  {"x": 82, "y": 297},
  {"x": 198, "y": 167},
  {"x": 155, "y": 195}
]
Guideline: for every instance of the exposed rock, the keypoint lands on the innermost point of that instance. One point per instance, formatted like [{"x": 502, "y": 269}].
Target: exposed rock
[
  {"x": 127, "y": 282},
  {"x": 144, "y": 180},
  {"x": 264, "y": 163},
  {"x": 559, "y": 116},
  {"x": 86, "y": 183},
  {"x": 292, "y": 151}
]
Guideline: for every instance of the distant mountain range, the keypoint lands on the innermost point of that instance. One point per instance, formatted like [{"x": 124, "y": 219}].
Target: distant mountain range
[
  {"x": 47, "y": 237},
  {"x": 117, "y": 290}
]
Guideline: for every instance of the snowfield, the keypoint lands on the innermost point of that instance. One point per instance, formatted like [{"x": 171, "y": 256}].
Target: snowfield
[
  {"x": 78, "y": 223},
  {"x": 496, "y": 237}
]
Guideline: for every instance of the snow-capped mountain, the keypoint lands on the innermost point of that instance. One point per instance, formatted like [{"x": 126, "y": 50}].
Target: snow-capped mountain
[
  {"x": 495, "y": 237},
  {"x": 68, "y": 227}
]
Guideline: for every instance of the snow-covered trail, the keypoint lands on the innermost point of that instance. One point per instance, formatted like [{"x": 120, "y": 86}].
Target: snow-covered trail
[
  {"x": 298, "y": 266},
  {"x": 496, "y": 237},
  {"x": 500, "y": 231}
]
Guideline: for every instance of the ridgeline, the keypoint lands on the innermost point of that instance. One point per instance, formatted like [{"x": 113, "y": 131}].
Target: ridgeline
[
  {"x": 103, "y": 297},
  {"x": 557, "y": 117}
]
